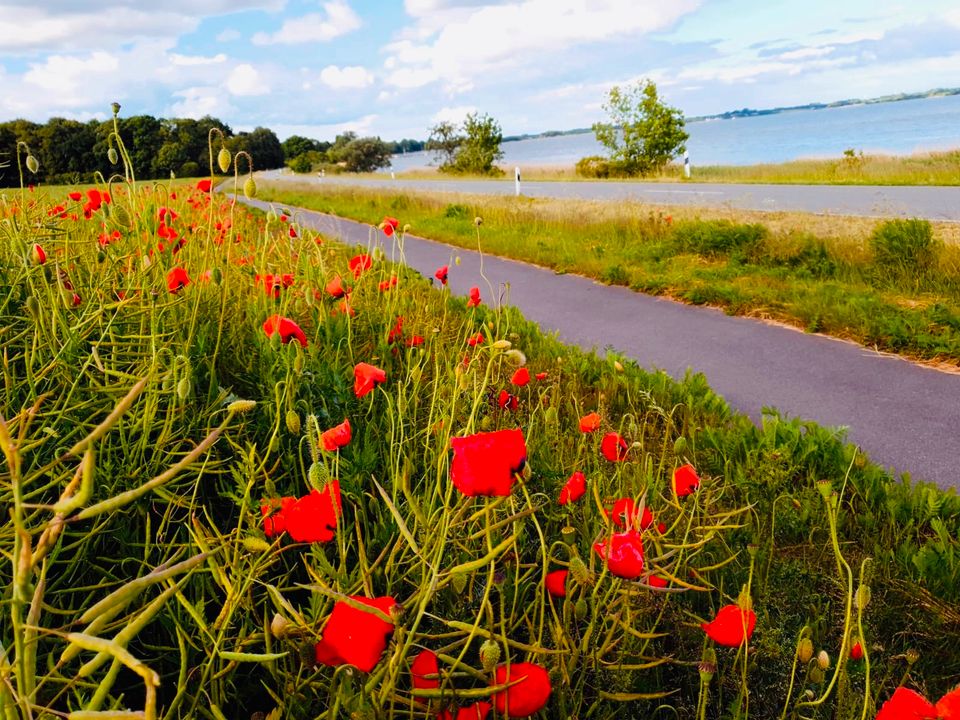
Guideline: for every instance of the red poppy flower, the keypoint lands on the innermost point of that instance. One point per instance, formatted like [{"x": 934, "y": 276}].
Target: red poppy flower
[
  {"x": 528, "y": 696},
  {"x": 335, "y": 287},
  {"x": 476, "y": 340},
  {"x": 474, "y": 300},
  {"x": 204, "y": 185},
  {"x": 614, "y": 447},
  {"x": 396, "y": 332},
  {"x": 521, "y": 377},
  {"x": 366, "y": 377},
  {"x": 477, "y": 711},
  {"x": 656, "y": 581},
  {"x": 39, "y": 256},
  {"x": 732, "y": 626},
  {"x": 574, "y": 489},
  {"x": 424, "y": 665},
  {"x": 685, "y": 480},
  {"x": 336, "y": 437},
  {"x": 556, "y": 583},
  {"x": 590, "y": 423},
  {"x": 355, "y": 637},
  {"x": 287, "y": 329},
  {"x": 906, "y": 704},
  {"x": 274, "y": 518},
  {"x": 292, "y": 232},
  {"x": 414, "y": 341},
  {"x": 312, "y": 518},
  {"x": 358, "y": 264},
  {"x": 856, "y": 652},
  {"x": 441, "y": 274},
  {"x": 948, "y": 708},
  {"x": 75, "y": 195},
  {"x": 485, "y": 463},
  {"x": 626, "y": 515},
  {"x": 541, "y": 375},
  {"x": 177, "y": 279},
  {"x": 389, "y": 225},
  {"x": 343, "y": 308},
  {"x": 623, "y": 553},
  {"x": 387, "y": 284},
  {"x": 508, "y": 401}
]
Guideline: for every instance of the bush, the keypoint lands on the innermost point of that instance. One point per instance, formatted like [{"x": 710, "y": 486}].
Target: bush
[
  {"x": 301, "y": 164},
  {"x": 189, "y": 169},
  {"x": 456, "y": 212},
  {"x": 904, "y": 246},
  {"x": 712, "y": 238}
]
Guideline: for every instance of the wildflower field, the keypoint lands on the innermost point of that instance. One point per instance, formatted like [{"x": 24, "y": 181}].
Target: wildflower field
[{"x": 251, "y": 473}]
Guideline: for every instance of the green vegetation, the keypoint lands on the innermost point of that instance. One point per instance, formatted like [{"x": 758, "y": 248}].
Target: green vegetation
[
  {"x": 473, "y": 149},
  {"x": 816, "y": 278},
  {"x": 69, "y": 151},
  {"x": 643, "y": 134},
  {"x": 186, "y": 535}
]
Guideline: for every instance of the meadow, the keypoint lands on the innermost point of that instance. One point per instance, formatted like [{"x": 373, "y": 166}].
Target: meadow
[
  {"x": 891, "y": 285},
  {"x": 253, "y": 473}
]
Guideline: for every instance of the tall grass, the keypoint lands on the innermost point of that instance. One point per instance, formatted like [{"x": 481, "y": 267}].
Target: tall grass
[{"x": 150, "y": 426}]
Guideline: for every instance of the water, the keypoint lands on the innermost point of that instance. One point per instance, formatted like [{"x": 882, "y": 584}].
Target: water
[{"x": 896, "y": 128}]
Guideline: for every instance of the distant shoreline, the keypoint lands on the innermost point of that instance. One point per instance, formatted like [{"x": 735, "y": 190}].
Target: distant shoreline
[{"x": 750, "y": 112}]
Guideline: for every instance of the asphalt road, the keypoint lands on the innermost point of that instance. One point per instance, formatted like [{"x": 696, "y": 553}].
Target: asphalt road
[
  {"x": 905, "y": 416},
  {"x": 932, "y": 203}
]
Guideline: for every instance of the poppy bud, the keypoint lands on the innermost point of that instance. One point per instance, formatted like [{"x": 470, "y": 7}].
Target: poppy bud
[
  {"x": 486, "y": 423},
  {"x": 279, "y": 625},
  {"x": 580, "y": 609},
  {"x": 112, "y": 156},
  {"x": 912, "y": 656},
  {"x": 581, "y": 573},
  {"x": 38, "y": 255},
  {"x": 241, "y": 406},
  {"x": 33, "y": 307},
  {"x": 489, "y": 654},
  {"x": 809, "y": 694},
  {"x": 317, "y": 475},
  {"x": 249, "y": 188},
  {"x": 862, "y": 598},
  {"x": 184, "y": 388},
  {"x": 120, "y": 215},
  {"x": 805, "y": 650},
  {"x": 823, "y": 660},
  {"x": 255, "y": 545},
  {"x": 115, "y": 106},
  {"x": 217, "y": 275},
  {"x": 101, "y": 256},
  {"x": 32, "y": 164},
  {"x": 223, "y": 159},
  {"x": 550, "y": 415},
  {"x": 816, "y": 675},
  {"x": 680, "y": 445},
  {"x": 293, "y": 422}
]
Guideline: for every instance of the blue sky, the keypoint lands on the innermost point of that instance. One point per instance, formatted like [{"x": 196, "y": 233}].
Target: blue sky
[{"x": 395, "y": 67}]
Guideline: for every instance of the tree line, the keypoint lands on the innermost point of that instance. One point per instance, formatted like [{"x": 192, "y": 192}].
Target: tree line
[{"x": 71, "y": 151}]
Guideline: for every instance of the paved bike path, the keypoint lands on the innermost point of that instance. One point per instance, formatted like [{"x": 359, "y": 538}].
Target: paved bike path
[{"x": 905, "y": 416}]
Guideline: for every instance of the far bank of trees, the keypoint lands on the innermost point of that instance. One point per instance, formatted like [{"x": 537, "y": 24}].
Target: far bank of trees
[
  {"x": 70, "y": 151},
  {"x": 347, "y": 152}
]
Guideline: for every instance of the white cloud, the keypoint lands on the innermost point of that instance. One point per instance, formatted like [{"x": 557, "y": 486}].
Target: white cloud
[
  {"x": 199, "y": 101},
  {"x": 807, "y": 52},
  {"x": 476, "y": 42},
  {"x": 350, "y": 77},
  {"x": 338, "y": 19},
  {"x": 453, "y": 115},
  {"x": 177, "y": 59},
  {"x": 245, "y": 80}
]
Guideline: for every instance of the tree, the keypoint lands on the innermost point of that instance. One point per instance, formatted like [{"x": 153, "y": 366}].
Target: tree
[
  {"x": 444, "y": 141},
  {"x": 263, "y": 146},
  {"x": 643, "y": 133},
  {"x": 481, "y": 146},
  {"x": 365, "y": 155},
  {"x": 297, "y": 145}
]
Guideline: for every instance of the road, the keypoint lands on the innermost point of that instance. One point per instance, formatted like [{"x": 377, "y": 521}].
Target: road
[
  {"x": 905, "y": 416},
  {"x": 932, "y": 203}
]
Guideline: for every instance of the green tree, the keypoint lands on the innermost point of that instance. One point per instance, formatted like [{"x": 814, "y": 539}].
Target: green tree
[
  {"x": 297, "y": 145},
  {"x": 263, "y": 146},
  {"x": 644, "y": 133},
  {"x": 444, "y": 141},
  {"x": 365, "y": 155}
]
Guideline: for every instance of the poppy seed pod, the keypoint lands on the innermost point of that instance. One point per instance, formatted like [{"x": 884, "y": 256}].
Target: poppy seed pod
[
  {"x": 32, "y": 164},
  {"x": 112, "y": 156},
  {"x": 707, "y": 670},
  {"x": 912, "y": 656},
  {"x": 489, "y": 654},
  {"x": 223, "y": 159},
  {"x": 825, "y": 487}
]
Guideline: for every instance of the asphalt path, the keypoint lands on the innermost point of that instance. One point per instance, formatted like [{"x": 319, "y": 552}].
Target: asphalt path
[
  {"x": 932, "y": 202},
  {"x": 905, "y": 416}
]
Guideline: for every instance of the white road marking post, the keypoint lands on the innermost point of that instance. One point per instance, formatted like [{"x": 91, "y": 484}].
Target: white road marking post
[
  {"x": 686, "y": 164},
  {"x": 516, "y": 172}
]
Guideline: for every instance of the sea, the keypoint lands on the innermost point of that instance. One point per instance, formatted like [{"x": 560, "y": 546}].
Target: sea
[{"x": 893, "y": 128}]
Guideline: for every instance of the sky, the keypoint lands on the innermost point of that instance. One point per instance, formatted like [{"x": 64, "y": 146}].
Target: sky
[{"x": 394, "y": 68}]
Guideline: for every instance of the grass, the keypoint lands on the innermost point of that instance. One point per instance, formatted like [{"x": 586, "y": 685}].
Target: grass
[
  {"x": 819, "y": 274},
  {"x": 935, "y": 168},
  {"x": 148, "y": 425}
]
